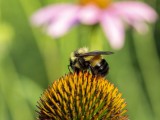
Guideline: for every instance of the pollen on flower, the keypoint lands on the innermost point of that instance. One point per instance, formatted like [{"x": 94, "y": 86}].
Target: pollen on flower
[
  {"x": 81, "y": 96},
  {"x": 100, "y": 3}
]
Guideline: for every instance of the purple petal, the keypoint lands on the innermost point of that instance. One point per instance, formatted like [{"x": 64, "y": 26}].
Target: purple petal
[
  {"x": 47, "y": 14},
  {"x": 64, "y": 21},
  {"x": 89, "y": 14},
  {"x": 140, "y": 27},
  {"x": 114, "y": 30},
  {"x": 134, "y": 11}
]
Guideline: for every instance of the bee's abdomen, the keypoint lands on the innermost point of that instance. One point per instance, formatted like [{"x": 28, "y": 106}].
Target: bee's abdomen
[{"x": 101, "y": 69}]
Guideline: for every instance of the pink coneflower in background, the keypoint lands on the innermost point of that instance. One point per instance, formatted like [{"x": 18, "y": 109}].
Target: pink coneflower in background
[{"x": 112, "y": 16}]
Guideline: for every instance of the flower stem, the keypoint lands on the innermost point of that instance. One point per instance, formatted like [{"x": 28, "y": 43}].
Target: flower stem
[
  {"x": 11, "y": 85},
  {"x": 149, "y": 64},
  {"x": 95, "y": 43}
]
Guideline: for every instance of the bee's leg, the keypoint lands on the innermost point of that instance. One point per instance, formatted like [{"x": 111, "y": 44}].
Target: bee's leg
[
  {"x": 84, "y": 65},
  {"x": 92, "y": 70},
  {"x": 77, "y": 70},
  {"x": 81, "y": 63},
  {"x": 69, "y": 68}
]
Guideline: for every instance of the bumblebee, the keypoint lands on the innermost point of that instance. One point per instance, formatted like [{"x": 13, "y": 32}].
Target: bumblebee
[{"x": 82, "y": 60}]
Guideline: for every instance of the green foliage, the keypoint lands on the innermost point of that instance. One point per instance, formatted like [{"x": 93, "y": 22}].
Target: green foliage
[{"x": 30, "y": 60}]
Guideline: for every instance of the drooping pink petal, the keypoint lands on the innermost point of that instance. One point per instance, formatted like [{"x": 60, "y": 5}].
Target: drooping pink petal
[
  {"x": 140, "y": 27},
  {"x": 89, "y": 14},
  {"x": 134, "y": 11},
  {"x": 114, "y": 30},
  {"x": 64, "y": 20},
  {"x": 47, "y": 14}
]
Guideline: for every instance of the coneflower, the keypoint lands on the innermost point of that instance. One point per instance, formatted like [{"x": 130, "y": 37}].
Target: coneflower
[
  {"x": 112, "y": 16},
  {"x": 81, "y": 97}
]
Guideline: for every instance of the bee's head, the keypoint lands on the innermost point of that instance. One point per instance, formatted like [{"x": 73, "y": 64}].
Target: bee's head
[
  {"x": 74, "y": 54},
  {"x": 82, "y": 50}
]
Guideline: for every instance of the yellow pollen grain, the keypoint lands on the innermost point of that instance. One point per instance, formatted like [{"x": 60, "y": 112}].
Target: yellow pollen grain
[
  {"x": 123, "y": 106},
  {"x": 109, "y": 98},
  {"x": 90, "y": 103},
  {"x": 83, "y": 100},
  {"x": 94, "y": 99},
  {"x": 71, "y": 107},
  {"x": 65, "y": 107},
  {"x": 43, "y": 108},
  {"x": 50, "y": 107},
  {"x": 54, "y": 93},
  {"x": 59, "y": 113},
  {"x": 83, "y": 92},
  {"x": 124, "y": 111},
  {"x": 79, "y": 109},
  {"x": 65, "y": 97},
  {"x": 46, "y": 113},
  {"x": 59, "y": 89},
  {"x": 59, "y": 98},
  {"x": 86, "y": 108},
  {"x": 93, "y": 90}
]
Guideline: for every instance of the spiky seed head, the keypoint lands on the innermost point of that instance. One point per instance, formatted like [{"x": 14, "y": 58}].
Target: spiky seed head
[{"x": 82, "y": 97}]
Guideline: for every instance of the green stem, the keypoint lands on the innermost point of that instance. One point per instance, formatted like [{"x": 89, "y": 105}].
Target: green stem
[
  {"x": 79, "y": 35},
  {"x": 139, "y": 72},
  {"x": 44, "y": 46},
  {"x": 95, "y": 42},
  {"x": 11, "y": 88},
  {"x": 149, "y": 64},
  {"x": 157, "y": 29},
  {"x": 1, "y": 19}
]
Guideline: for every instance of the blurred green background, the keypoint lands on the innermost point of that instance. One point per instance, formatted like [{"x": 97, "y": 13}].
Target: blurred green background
[{"x": 31, "y": 60}]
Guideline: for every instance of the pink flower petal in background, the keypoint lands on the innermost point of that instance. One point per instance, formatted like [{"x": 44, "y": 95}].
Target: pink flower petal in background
[
  {"x": 47, "y": 14},
  {"x": 140, "y": 27},
  {"x": 114, "y": 30},
  {"x": 59, "y": 18},
  {"x": 89, "y": 14},
  {"x": 135, "y": 11},
  {"x": 65, "y": 20}
]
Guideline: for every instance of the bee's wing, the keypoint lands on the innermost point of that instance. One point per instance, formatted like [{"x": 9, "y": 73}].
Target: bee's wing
[{"x": 95, "y": 53}]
